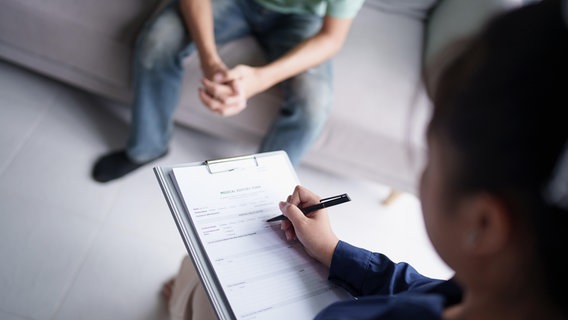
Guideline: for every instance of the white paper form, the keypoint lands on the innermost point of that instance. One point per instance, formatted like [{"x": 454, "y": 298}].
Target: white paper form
[{"x": 262, "y": 275}]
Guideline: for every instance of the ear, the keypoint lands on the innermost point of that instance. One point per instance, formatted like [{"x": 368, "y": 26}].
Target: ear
[{"x": 487, "y": 226}]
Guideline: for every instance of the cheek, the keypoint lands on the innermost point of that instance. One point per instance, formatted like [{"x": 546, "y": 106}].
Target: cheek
[
  {"x": 430, "y": 214},
  {"x": 428, "y": 201},
  {"x": 433, "y": 214},
  {"x": 439, "y": 235}
]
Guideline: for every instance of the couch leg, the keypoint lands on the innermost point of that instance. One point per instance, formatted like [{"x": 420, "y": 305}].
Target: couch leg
[{"x": 391, "y": 197}]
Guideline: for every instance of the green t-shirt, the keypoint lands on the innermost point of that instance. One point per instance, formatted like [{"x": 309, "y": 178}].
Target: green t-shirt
[{"x": 334, "y": 8}]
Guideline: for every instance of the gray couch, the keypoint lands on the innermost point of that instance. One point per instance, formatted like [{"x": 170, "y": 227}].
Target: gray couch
[{"x": 380, "y": 107}]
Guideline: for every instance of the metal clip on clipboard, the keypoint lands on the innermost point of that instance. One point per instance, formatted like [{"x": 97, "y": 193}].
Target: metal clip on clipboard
[{"x": 230, "y": 164}]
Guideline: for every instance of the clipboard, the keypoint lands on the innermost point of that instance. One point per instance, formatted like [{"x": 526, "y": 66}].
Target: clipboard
[
  {"x": 188, "y": 233},
  {"x": 191, "y": 235}
]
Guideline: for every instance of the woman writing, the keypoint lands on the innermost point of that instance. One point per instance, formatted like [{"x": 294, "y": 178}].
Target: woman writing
[{"x": 494, "y": 192}]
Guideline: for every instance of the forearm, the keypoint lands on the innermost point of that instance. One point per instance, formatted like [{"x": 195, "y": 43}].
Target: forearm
[
  {"x": 198, "y": 17},
  {"x": 309, "y": 53}
]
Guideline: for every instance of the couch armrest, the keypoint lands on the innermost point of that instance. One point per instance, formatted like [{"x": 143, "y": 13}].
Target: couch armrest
[{"x": 453, "y": 19}]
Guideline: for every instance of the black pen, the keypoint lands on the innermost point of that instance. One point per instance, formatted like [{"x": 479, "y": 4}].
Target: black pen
[{"x": 324, "y": 203}]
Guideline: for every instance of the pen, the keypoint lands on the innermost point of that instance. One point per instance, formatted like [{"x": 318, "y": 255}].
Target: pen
[{"x": 324, "y": 203}]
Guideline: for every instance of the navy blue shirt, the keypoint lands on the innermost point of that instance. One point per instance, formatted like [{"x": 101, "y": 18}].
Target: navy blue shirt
[{"x": 384, "y": 289}]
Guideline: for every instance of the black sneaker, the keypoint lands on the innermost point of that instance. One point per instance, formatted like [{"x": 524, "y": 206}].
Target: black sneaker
[{"x": 115, "y": 165}]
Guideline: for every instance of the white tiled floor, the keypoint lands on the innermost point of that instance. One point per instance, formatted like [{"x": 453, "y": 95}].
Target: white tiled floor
[{"x": 72, "y": 248}]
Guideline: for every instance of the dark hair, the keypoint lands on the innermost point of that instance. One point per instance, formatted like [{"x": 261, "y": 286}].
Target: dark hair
[{"x": 502, "y": 105}]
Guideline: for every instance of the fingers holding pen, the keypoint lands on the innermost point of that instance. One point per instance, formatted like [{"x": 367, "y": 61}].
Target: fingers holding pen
[
  {"x": 286, "y": 225},
  {"x": 289, "y": 232},
  {"x": 314, "y": 232},
  {"x": 303, "y": 197}
]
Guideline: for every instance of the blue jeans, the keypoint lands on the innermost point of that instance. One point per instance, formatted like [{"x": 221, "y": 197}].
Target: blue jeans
[{"x": 158, "y": 74}]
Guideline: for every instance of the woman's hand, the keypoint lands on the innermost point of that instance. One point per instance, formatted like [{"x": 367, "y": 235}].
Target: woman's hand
[{"x": 313, "y": 230}]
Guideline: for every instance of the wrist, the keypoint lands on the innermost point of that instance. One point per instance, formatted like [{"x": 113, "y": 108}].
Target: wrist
[
  {"x": 328, "y": 252},
  {"x": 265, "y": 77},
  {"x": 209, "y": 60}
]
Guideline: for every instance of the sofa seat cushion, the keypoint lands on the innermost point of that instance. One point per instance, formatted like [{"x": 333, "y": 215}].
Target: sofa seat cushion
[{"x": 92, "y": 39}]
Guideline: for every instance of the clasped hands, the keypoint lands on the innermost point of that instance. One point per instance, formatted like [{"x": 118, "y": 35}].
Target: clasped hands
[
  {"x": 226, "y": 91},
  {"x": 313, "y": 230}
]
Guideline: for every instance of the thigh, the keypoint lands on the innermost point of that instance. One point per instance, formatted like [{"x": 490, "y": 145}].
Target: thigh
[
  {"x": 189, "y": 300},
  {"x": 229, "y": 20},
  {"x": 286, "y": 31},
  {"x": 163, "y": 36},
  {"x": 310, "y": 90},
  {"x": 168, "y": 29}
]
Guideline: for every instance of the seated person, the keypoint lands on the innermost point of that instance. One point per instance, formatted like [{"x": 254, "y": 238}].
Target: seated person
[
  {"x": 298, "y": 37},
  {"x": 494, "y": 192}
]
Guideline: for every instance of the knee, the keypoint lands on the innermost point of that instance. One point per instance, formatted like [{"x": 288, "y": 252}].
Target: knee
[{"x": 162, "y": 40}]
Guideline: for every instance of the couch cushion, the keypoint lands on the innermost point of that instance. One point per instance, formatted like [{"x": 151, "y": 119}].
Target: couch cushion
[
  {"x": 376, "y": 131},
  {"x": 90, "y": 38}
]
